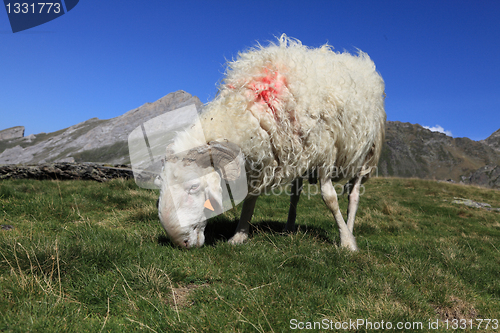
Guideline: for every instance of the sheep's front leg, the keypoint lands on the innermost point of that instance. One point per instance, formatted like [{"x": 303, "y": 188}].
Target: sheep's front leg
[
  {"x": 330, "y": 198},
  {"x": 243, "y": 227},
  {"x": 354, "y": 191},
  {"x": 294, "y": 200}
]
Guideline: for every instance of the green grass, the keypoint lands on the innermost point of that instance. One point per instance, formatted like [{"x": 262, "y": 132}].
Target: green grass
[
  {"x": 112, "y": 152},
  {"x": 86, "y": 256}
]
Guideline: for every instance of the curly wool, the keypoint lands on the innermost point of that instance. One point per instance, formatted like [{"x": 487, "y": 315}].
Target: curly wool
[{"x": 292, "y": 109}]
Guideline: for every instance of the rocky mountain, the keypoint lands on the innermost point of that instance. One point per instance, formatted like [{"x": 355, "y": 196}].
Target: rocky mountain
[
  {"x": 410, "y": 150},
  {"x": 94, "y": 140},
  {"x": 487, "y": 176},
  {"x": 493, "y": 141}
]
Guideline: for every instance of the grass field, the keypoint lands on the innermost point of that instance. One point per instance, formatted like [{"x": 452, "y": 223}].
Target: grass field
[{"x": 92, "y": 257}]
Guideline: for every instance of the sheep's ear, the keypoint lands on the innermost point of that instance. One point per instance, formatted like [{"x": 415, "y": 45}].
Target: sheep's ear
[{"x": 225, "y": 158}]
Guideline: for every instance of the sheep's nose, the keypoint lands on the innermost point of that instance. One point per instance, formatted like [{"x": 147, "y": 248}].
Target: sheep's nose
[{"x": 186, "y": 243}]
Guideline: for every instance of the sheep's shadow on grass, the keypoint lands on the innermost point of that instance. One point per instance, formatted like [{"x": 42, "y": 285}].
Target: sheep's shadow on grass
[
  {"x": 221, "y": 229},
  {"x": 276, "y": 227},
  {"x": 218, "y": 229}
]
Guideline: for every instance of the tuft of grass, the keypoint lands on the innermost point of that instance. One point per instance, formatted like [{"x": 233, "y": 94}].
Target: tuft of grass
[{"x": 85, "y": 256}]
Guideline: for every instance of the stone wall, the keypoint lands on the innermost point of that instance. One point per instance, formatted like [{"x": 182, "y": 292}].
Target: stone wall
[{"x": 66, "y": 171}]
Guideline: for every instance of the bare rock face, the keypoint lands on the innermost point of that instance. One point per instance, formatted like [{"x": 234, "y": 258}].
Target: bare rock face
[
  {"x": 15, "y": 154},
  {"x": 493, "y": 141},
  {"x": 411, "y": 150},
  {"x": 487, "y": 176},
  {"x": 94, "y": 140},
  {"x": 12, "y": 133}
]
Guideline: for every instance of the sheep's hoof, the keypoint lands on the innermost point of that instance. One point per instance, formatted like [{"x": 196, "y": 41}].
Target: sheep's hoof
[
  {"x": 349, "y": 243},
  {"x": 238, "y": 238},
  {"x": 351, "y": 247},
  {"x": 289, "y": 229}
]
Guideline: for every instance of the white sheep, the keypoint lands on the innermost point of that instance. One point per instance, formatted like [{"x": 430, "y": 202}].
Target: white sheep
[{"x": 293, "y": 111}]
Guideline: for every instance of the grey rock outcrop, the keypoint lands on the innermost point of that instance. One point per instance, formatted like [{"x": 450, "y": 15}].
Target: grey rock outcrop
[
  {"x": 493, "y": 140},
  {"x": 94, "y": 140},
  {"x": 16, "y": 155},
  {"x": 487, "y": 176},
  {"x": 474, "y": 204},
  {"x": 12, "y": 133}
]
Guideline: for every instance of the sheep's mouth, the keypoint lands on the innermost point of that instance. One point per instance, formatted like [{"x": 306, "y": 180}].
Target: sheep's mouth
[
  {"x": 188, "y": 245},
  {"x": 193, "y": 239}
]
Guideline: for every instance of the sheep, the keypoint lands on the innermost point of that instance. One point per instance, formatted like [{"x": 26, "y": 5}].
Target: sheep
[{"x": 284, "y": 111}]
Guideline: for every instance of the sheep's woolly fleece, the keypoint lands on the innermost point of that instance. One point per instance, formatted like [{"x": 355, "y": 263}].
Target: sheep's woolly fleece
[{"x": 292, "y": 109}]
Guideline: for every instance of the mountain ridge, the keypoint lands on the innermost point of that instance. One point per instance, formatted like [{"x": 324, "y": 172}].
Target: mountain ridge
[
  {"x": 410, "y": 150},
  {"x": 94, "y": 140},
  {"x": 493, "y": 140}
]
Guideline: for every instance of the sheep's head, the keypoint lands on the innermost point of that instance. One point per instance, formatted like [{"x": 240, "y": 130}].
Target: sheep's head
[{"x": 191, "y": 189}]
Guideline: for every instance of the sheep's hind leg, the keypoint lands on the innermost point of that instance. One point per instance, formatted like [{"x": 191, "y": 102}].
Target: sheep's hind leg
[
  {"x": 243, "y": 227},
  {"x": 294, "y": 200},
  {"x": 354, "y": 186},
  {"x": 329, "y": 195}
]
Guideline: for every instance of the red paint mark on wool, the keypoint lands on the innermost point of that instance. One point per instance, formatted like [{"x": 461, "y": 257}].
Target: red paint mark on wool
[{"x": 269, "y": 88}]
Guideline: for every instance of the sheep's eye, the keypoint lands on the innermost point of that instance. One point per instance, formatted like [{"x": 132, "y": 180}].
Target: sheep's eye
[{"x": 194, "y": 188}]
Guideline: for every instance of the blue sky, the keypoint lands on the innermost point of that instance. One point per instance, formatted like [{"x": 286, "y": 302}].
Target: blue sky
[{"x": 440, "y": 59}]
